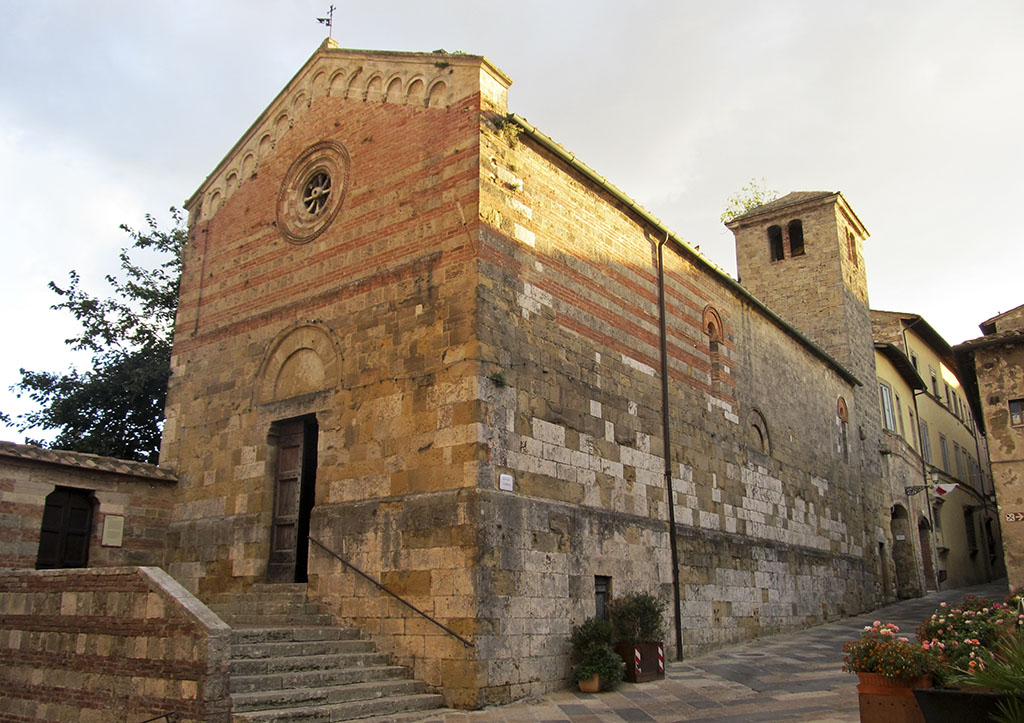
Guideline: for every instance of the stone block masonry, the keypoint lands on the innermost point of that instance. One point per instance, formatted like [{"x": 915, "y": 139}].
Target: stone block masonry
[
  {"x": 772, "y": 532},
  {"x": 97, "y": 645}
]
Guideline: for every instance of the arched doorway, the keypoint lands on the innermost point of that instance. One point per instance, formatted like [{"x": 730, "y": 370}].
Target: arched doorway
[{"x": 907, "y": 585}]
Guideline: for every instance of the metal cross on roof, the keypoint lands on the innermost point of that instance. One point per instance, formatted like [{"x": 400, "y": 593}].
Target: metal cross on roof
[{"x": 328, "y": 21}]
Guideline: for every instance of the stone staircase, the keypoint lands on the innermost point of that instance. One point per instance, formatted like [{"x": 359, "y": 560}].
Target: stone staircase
[{"x": 290, "y": 663}]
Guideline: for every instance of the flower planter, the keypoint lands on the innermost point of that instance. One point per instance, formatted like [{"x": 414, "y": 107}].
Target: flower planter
[
  {"x": 590, "y": 685},
  {"x": 644, "y": 661},
  {"x": 943, "y": 705},
  {"x": 889, "y": 700}
]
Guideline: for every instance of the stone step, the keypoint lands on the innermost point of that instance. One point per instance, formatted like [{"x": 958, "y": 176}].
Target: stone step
[
  {"x": 249, "y": 651},
  {"x": 313, "y": 678},
  {"x": 247, "y": 636},
  {"x": 427, "y": 715},
  {"x": 261, "y": 588},
  {"x": 272, "y": 606},
  {"x": 344, "y": 711},
  {"x": 299, "y": 596},
  {"x": 265, "y": 666},
  {"x": 255, "y": 620},
  {"x": 329, "y": 695}
]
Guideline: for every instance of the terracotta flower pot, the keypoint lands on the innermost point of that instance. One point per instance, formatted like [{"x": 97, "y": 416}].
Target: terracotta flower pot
[
  {"x": 889, "y": 700},
  {"x": 590, "y": 685}
]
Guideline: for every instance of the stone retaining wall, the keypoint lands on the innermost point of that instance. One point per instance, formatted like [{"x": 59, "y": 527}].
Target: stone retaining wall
[{"x": 98, "y": 645}]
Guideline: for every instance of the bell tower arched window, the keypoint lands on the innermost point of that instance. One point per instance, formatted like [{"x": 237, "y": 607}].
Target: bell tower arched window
[
  {"x": 796, "y": 237},
  {"x": 775, "y": 250}
]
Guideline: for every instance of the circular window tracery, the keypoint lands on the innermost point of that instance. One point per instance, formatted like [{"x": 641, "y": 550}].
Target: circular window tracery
[
  {"x": 317, "y": 192},
  {"x": 313, "y": 191}
]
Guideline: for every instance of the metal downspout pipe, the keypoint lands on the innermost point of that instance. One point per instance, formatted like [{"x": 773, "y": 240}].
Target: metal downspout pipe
[{"x": 663, "y": 339}]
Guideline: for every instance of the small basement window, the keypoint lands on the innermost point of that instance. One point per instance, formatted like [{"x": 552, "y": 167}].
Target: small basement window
[{"x": 1017, "y": 412}]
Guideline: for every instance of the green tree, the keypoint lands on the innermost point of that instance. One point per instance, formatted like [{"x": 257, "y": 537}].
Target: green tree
[
  {"x": 754, "y": 194},
  {"x": 116, "y": 407}
]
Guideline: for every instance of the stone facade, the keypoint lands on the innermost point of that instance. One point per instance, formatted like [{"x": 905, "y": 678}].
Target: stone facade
[
  {"x": 993, "y": 370},
  {"x": 416, "y": 328}
]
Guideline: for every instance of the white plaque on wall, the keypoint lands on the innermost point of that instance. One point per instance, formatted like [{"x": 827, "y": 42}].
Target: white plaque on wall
[
  {"x": 113, "y": 530},
  {"x": 505, "y": 482}
]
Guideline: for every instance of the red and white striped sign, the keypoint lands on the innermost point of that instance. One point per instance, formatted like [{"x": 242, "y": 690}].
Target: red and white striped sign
[
  {"x": 636, "y": 660},
  {"x": 661, "y": 660}
]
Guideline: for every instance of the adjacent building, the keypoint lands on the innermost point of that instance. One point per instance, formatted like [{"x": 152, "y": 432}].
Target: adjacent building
[
  {"x": 944, "y": 524},
  {"x": 992, "y": 367}
]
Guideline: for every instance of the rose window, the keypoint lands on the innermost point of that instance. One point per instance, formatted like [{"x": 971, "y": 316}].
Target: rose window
[
  {"x": 316, "y": 193},
  {"x": 313, "y": 191}
]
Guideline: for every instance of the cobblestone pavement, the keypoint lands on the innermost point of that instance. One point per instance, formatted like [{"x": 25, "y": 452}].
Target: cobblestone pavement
[{"x": 789, "y": 677}]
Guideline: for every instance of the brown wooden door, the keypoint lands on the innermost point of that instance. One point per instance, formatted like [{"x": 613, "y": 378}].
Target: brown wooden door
[
  {"x": 66, "y": 529},
  {"x": 293, "y": 500}
]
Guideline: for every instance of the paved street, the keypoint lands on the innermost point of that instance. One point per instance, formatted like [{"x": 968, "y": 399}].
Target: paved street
[{"x": 790, "y": 677}]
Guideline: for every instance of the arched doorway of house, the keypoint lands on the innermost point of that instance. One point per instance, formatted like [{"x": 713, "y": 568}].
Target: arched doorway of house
[
  {"x": 924, "y": 532},
  {"x": 903, "y": 553}
]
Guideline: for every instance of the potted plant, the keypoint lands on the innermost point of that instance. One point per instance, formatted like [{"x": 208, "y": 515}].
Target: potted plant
[
  {"x": 997, "y": 687},
  {"x": 965, "y": 636},
  {"x": 889, "y": 667},
  {"x": 597, "y": 665},
  {"x": 637, "y": 619},
  {"x": 975, "y": 641}
]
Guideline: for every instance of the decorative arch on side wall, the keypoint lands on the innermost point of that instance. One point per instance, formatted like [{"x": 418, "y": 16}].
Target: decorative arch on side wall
[
  {"x": 757, "y": 432},
  {"x": 302, "y": 359},
  {"x": 842, "y": 411},
  {"x": 712, "y": 324}
]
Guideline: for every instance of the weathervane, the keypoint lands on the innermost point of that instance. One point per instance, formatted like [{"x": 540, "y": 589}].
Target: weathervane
[{"x": 328, "y": 21}]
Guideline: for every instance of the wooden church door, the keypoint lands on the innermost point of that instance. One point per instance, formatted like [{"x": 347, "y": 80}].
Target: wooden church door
[{"x": 294, "y": 487}]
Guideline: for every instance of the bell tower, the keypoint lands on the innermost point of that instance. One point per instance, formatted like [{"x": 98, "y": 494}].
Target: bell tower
[{"x": 802, "y": 256}]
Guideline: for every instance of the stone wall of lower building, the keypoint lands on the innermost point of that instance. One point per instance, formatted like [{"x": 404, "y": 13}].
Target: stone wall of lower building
[{"x": 91, "y": 646}]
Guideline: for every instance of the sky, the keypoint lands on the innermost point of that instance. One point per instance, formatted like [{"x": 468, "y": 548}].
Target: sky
[{"x": 113, "y": 109}]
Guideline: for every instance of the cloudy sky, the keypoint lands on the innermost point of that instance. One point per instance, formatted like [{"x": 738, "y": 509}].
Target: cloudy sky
[{"x": 112, "y": 109}]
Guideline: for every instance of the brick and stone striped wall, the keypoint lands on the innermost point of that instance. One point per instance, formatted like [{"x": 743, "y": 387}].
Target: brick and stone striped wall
[{"x": 98, "y": 645}]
